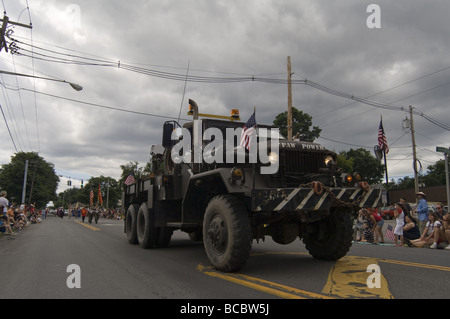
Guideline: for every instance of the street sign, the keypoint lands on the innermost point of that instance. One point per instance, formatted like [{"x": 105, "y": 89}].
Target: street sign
[{"x": 443, "y": 150}]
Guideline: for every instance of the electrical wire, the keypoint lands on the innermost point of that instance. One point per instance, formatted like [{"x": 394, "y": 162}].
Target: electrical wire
[
  {"x": 9, "y": 131},
  {"x": 103, "y": 106},
  {"x": 87, "y": 61}
]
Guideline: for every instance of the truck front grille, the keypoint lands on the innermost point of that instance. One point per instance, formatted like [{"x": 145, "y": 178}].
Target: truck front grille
[{"x": 295, "y": 166}]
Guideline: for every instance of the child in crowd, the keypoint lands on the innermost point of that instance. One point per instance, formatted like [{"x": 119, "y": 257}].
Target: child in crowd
[
  {"x": 400, "y": 222},
  {"x": 369, "y": 226},
  {"x": 358, "y": 234}
]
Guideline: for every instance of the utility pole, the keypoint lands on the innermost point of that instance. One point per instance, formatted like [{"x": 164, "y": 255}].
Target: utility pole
[
  {"x": 32, "y": 181},
  {"x": 446, "y": 152},
  {"x": 107, "y": 194},
  {"x": 447, "y": 183},
  {"x": 5, "y": 21},
  {"x": 289, "y": 113},
  {"x": 416, "y": 179},
  {"x": 24, "y": 187}
]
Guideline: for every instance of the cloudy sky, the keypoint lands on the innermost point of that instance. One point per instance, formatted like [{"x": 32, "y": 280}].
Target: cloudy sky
[{"x": 131, "y": 57}]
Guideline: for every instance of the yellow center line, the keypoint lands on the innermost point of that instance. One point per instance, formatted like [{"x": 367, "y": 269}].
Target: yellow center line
[
  {"x": 411, "y": 264},
  {"x": 269, "y": 287},
  {"x": 348, "y": 278},
  {"x": 86, "y": 225}
]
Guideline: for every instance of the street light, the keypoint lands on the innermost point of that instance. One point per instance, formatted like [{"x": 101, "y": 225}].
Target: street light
[{"x": 76, "y": 87}]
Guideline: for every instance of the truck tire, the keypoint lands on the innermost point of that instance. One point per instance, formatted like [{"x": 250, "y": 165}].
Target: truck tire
[
  {"x": 334, "y": 236},
  {"x": 147, "y": 233},
  {"x": 227, "y": 233},
  {"x": 130, "y": 224}
]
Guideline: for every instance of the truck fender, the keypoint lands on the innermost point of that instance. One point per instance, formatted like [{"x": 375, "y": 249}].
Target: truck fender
[{"x": 200, "y": 188}]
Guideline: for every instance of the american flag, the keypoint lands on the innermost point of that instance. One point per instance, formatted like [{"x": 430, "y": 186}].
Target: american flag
[
  {"x": 247, "y": 132},
  {"x": 390, "y": 233},
  {"x": 382, "y": 138},
  {"x": 130, "y": 180}
]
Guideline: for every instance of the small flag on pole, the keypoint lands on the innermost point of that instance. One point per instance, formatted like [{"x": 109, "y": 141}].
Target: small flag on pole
[
  {"x": 247, "y": 132},
  {"x": 390, "y": 233},
  {"x": 100, "y": 198},
  {"x": 382, "y": 142},
  {"x": 91, "y": 198},
  {"x": 130, "y": 180}
]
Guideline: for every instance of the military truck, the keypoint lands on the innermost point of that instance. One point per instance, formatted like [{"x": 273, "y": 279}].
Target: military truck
[{"x": 229, "y": 205}]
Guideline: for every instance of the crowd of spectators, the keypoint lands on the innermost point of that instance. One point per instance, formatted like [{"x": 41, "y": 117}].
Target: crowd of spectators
[
  {"x": 423, "y": 226},
  {"x": 14, "y": 218}
]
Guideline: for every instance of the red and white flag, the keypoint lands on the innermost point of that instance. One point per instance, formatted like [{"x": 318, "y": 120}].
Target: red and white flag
[
  {"x": 130, "y": 180},
  {"x": 382, "y": 142},
  {"x": 100, "y": 198},
  {"x": 91, "y": 198},
  {"x": 390, "y": 233},
  {"x": 247, "y": 132}
]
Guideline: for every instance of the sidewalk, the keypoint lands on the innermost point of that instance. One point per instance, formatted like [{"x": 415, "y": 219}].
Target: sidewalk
[{"x": 17, "y": 232}]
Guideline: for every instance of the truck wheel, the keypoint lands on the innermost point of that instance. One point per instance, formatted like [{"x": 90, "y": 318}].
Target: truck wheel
[
  {"x": 227, "y": 233},
  {"x": 147, "y": 233},
  {"x": 333, "y": 237},
  {"x": 130, "y": 224}
]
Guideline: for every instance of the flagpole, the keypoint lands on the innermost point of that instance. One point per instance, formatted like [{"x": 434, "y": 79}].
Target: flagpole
[
  {"x": 385, "y": 169},
  {"x": 385, "y": 165},
  {"x": 253, "y": 165},
  {"x": 384, "y": 154}
]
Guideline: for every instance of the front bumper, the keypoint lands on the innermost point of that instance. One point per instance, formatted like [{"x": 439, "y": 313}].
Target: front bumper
[{"x": 314, "y": 198}]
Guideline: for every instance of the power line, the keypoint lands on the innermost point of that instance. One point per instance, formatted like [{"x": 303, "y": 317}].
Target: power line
[
  {"x": 87, "y": 61},
  {"x": 103, "y": 106},
  {"x": 393, "y": 88},
  {"x": 9, "y": 131}
]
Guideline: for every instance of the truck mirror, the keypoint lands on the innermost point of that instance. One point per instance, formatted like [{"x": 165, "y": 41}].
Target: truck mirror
[{"x": 167, "y": 134}]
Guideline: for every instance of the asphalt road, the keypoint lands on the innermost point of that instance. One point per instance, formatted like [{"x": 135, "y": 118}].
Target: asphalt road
[{"x": 39, "y": 263}]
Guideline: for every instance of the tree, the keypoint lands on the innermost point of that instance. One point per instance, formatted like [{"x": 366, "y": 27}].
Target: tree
[
  {"x": 405, "y": 182},
  {"x": 345, "y": 163},
  {"x": 134, "y": 169},
  {"x": 42, "y": 180},
  {"x": 108, "y": 186},
  {"x": 436, "y": 174},
  {"x": 301, "y": 123},
  {"x": 371, "y": 170}
]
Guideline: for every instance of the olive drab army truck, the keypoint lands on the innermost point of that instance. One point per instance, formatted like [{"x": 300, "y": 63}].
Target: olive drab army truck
[{"x": 229, "y": 204}]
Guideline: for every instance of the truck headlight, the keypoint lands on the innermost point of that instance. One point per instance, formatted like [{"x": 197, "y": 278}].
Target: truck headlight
[
  {"x": 329, "y": 160},
  {"x": 273, "y": 157}
]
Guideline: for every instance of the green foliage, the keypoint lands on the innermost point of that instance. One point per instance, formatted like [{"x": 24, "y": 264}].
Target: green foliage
[
  {"x": 42, "y": 180},
  {"x": 109, "y": 188},
  {"x": 436, "y": 174},
  {"x": 346, "y": 164},
  {"x": 364, "y": 163},
  {"x": 301, "y": 123}
]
